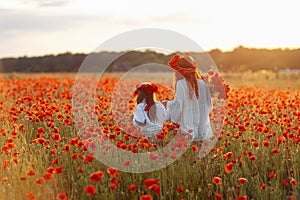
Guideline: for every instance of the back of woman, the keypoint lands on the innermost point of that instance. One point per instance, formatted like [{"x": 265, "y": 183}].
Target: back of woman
[
  {"x": 192, "y": 102},
  {"x": 204, "y": 131}
]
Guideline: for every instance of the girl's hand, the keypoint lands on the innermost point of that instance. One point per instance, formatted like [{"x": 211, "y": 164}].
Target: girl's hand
[{"x": 140, "y": 123}]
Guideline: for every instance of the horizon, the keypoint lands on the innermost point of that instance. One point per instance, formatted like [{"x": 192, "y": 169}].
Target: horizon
[
  {"x": 152, "y": 50},
  {"x": 40, "y": 27}
]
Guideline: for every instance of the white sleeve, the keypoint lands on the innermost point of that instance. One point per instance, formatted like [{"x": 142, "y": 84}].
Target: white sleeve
[
  {"x": 175, "y": 106},
  {"x": 208, "y": 99},
  {"x": 161, "y": 112},
  {"x": 139, "y": 116}
]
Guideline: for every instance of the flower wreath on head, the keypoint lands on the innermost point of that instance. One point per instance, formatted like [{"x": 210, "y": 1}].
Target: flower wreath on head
[
  {"x": 149, "y": 88},
  {"x": 186, "y": 66}
]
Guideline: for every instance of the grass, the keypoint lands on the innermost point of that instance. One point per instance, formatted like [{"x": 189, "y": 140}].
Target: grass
[{"x": 262, "y": 104}]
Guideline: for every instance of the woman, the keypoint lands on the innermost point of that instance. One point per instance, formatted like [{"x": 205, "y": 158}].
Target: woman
[
  {"x": 149, "y": 115},
  {"x": 192, "y": 103}
]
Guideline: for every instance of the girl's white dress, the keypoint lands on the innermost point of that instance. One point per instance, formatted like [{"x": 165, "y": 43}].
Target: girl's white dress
[
  {"x": 142, "y": 120},
  {"x": 192, "y": 114}
]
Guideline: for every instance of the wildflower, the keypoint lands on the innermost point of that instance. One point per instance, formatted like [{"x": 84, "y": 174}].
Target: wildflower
[
  {"x": 112, "y": 171},
  {"x": 126, "y": 163},
  {"x": 30, "y": 196},
  {"x": 293, "y": 182},
  {"x": 262, "y": 186},
  {"x": 228, "y": 167},
  {"x": 30, "y": 172},
  {"x": 217, "y": 180},
  {"x": 272, "y": 175},
  {"x": 179, "y": 189},
  {"x": 146, "y": 197},
  {"x": 242, "y": 198},
  {"x": 132, "y": 187},
  {"x": 40, "y": 180},
  {"x": 96, "y": 176},
  {"x": 284, "y": 182},
  {"x": 195, "y": 148},
  {"x": 242, "y": 180},
  {"x": 218, "y": 196},
  {"x": 62, "y": 196},
  {"x": 113, "y": 186},
  {"x": 90, "y": 190}
]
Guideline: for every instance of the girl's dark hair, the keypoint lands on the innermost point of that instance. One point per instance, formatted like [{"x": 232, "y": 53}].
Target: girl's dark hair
[{"x": 149, "y": 100}]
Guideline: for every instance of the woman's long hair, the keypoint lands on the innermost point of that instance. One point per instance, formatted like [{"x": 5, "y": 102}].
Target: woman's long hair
[{"x": 190, "y": 77}]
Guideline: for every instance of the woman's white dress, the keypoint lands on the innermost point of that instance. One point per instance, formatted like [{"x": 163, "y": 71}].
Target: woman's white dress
[
  {"x": 147, "y": 127},
  {"x": 192, "y": 114}
]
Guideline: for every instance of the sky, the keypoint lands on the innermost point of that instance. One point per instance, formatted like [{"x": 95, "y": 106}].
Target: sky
[{"x": 43, "y": 27}]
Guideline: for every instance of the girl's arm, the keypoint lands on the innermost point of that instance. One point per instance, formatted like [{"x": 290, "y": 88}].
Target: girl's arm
[{"x": 139, "y": 118}]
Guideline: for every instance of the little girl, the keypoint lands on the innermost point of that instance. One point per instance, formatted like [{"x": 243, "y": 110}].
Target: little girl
[{"x": 149, "y": 115}]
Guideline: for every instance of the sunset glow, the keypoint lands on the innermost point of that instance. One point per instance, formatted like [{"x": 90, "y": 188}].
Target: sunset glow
[{"x": 32, "y": 27}]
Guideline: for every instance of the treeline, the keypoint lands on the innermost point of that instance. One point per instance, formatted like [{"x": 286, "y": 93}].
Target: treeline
[
  {"x": 239, "y": 60},
  {"x": 244, "y": 59}
]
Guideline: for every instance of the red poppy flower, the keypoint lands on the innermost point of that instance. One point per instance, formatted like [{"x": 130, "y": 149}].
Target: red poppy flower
[
  {"x": 180, "y": 189},
  {"x": 228, "y": 167},
  {"x": 127, "y": 163},
  {"x": 41, "y": 130},
  {"x": 218, "y": 196},
  {"x": 293, "y": 182},
  {"x": 275, "y": 151},
  {"x": 150, "y": 182},
  {"x": 252, "y": 158},
  {"x": 30, "y": 172},
  {"x": 96, "y": 176},
  {"x": 48, "y": 176},
  {"x": 30, "y": 196},
  {"x": 195, "y": 148},
  {"x": 242, "y": 198},
  {"x": 146, "y": 197},
  {"x": 284, "y": 182},
  {"x": 58, "y": 170},
  {"x": 262, "y": 186},
  {"x": 40, "y": 180},
  {"x": 112, "y": 171},
  {"x": 90, "y": 190},
  {"x": 62, "y": 196},
  {"x": 113, "y": 186},
  {"x": 272, "y": 175},
  {"x": 132, "y": 187},
  {"x": 242, "y": 180},
  {"x": 210, "y": 73},
  {"x": 56, "y": 137},
  {"x": 217, "y": 180}
]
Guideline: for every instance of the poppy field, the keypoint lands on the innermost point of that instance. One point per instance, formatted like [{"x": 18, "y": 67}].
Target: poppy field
[{"x": 43, "y": 156}]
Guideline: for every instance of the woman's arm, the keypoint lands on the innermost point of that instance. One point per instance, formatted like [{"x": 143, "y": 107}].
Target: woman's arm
[
  {"x": 208, "y": 99},
  {"x": 176, "y": 105}
]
